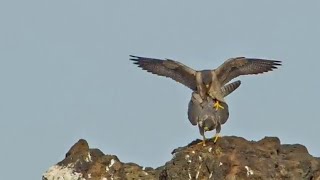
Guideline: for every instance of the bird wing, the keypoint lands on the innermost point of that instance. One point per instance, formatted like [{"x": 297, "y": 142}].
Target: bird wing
[
  {"x": 168, "y": 68},
  {"x": 223, "y": 113},
  {"x": 235, "y": 67},
  {"x": 194, "y": 108},
  {"x": 229, "y": 88}
]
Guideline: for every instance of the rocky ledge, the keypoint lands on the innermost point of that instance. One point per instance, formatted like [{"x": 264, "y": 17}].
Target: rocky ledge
[{"x": 230, "y": 158}]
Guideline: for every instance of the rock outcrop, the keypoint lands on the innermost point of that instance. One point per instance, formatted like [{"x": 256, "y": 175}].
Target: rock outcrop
[{"x": 230, "y": 158}]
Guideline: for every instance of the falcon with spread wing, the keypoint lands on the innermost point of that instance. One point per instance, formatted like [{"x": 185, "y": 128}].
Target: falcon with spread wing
[{"x": 206, "y": 82}]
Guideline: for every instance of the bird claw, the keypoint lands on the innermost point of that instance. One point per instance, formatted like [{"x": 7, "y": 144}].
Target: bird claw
[
  {"x": 203, "y": 143},
  {"x": 215, "y": 138},
  {"x": 217, "y": 105}
]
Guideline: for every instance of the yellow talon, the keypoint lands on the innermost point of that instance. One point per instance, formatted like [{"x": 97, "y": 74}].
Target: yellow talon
[
  {"x": 216, "y": 137},
  {"x": 203, "y": 142},
  {"x": 217, "y": 105}
]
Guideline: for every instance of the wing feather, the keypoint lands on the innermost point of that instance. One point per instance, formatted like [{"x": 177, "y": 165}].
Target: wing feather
[
  {"x": 194, "y": 109},
  {"x": 168, "y": 68},
  {"x": 235, "y": 67}
]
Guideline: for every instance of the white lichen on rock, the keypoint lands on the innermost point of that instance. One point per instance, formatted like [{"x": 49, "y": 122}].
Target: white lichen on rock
[
  {"x": 112, "y": 162},
  {"x": 198, "y": 172},
  {"x": 210, "y": 175},
  {"x": 110, "y": 165},
  {"x": 88, "y": 158},
  {"x": 62, "y": 172},
  {"x": 187, "y": 157},
  {"x": 249, "y": 171},
  {"x": 189, "y": 174}
]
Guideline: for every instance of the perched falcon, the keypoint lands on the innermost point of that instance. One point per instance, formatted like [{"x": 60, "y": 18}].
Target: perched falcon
[
  {"x": 201, "y": 112},
  {"x": 206, "y": 82}
]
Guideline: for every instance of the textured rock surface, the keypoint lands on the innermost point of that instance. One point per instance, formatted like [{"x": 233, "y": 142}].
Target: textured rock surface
[{"x": 229, "y": 158}]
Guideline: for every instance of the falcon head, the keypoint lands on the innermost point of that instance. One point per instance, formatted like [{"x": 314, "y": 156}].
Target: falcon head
[{"x": 206, "y": 77}]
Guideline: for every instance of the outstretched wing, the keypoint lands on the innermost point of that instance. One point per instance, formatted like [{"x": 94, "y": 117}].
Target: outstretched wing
[
  {"x": 229, "y": 88},
  {"x": 235, "y": 67},
  {"x": 168, "y": 68}
]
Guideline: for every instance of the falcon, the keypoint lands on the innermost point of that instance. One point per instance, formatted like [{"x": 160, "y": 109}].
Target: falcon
[
  {"x": 206, "y": 82},
  {"x": 202, "y": 113}
]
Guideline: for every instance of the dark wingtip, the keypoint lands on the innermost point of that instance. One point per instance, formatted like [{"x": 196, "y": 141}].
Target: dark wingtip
[
  {"x": 277, "y": 63},
  {"x": 134, "y": 58}
]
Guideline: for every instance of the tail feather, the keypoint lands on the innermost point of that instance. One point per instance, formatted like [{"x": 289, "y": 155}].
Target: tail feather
[{"x": 229, "y": 88}]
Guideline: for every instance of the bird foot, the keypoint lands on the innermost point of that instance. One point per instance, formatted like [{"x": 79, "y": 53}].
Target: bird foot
[
  {"x": 217, "y": 105},
  {"x": 215, "y": 138},
  {"x": 203, "y": 142}
]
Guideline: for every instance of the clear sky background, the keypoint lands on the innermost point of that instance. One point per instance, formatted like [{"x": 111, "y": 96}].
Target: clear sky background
[{"x": 65, "y": 74}]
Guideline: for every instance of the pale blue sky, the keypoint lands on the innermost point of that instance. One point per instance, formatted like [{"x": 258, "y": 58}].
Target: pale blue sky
[{"x": 65, "y": 75}]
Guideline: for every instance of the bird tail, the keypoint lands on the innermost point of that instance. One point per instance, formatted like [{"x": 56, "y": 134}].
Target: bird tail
[{"x": 229, "y": 88}]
